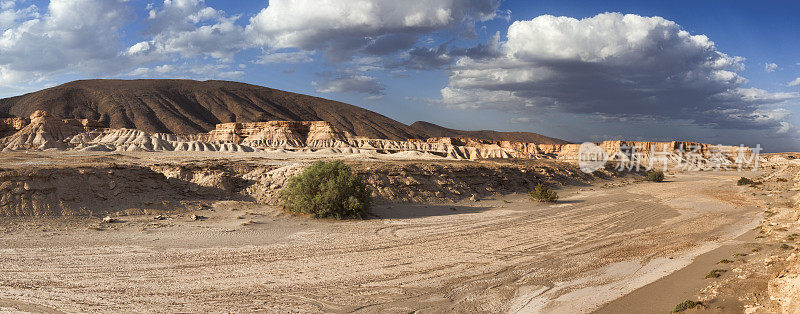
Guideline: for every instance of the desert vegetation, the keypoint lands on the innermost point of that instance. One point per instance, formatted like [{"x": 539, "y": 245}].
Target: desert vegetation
[
  {"x": 327, "y": 189},
  {"x": 686, "y": 305},
  {"x": 655, "y": 176},
  {"x": 541, "y": 193},
  {"x": 715, "y": 273},
  {"x": 744, "y": 181}
]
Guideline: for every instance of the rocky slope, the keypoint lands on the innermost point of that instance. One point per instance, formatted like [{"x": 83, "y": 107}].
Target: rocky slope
[
  {"x": 188, "y": 107},
  {"x": 433, "y": 130}
]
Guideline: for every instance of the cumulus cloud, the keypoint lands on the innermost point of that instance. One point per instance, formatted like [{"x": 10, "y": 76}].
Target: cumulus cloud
[
  {"x": 189, "y": 28},
  {"x": 70, "y": 36},
  {"x": 770, "y": 67},
  {"x": 343, "y": 28},
  {"x": 613, "y": 65},
  {"x": 351, "y": 84},
  {"x": 796, "y": 82}
]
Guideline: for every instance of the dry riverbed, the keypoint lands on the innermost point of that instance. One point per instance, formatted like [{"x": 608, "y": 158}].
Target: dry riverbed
[{"x": 499, "y": 254}]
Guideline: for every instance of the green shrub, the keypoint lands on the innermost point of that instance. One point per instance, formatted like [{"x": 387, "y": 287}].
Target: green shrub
[
  {"x": 685, "y": 305},
  {"x": 744, "y": 181},
  {"x": 655, "y": 176},
  {"x": 715, "y": 273},
  {"x": 327, "y": 189},
  {"x": 543, "y": 194}
]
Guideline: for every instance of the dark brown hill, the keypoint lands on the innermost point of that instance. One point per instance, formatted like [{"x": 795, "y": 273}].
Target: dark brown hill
[
  {"x": 433, "y": 130},
  {"x": 187, "y": 106}
]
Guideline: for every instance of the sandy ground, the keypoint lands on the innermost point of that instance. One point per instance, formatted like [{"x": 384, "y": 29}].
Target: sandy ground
[{"x": 505, "y": 254}]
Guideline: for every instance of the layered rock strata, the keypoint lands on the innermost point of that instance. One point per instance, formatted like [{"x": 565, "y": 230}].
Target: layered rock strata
[{"x": 45, "y": 132}]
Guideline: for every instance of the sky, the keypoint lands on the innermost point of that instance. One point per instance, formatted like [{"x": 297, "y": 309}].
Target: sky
[{"x": 719, "y": 72}]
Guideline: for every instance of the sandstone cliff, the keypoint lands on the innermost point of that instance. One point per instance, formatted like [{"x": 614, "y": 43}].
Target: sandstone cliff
[{"x": 45, "y": 132}]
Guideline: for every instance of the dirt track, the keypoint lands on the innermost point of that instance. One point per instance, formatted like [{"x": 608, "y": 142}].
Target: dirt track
[{"x": 505, "y": 254}]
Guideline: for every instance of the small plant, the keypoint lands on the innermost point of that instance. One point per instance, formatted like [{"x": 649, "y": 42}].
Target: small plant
[
  {"x": 327, "y": 189},
  {"x": 715, "y": 273},
  {"x": 744, "y": 181},
  {"x": 782, "y": 180},
  {"x": 655, "y": 176},
  {"x": 685, "y": 305},
  {"x": 725, "y": 261},
  {"x": 739, "y": 254},
  {"x": 785, "y": 246},
  {"x": 543, "y": 194}
]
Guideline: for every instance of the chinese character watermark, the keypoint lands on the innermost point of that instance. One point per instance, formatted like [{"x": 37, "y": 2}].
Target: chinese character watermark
[{"x": 692, "y": 157}]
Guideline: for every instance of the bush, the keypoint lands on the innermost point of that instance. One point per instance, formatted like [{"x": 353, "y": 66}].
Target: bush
[
  {"x": 744, "y": 181},
  {"x": 327, "y": 189},
  {"x": 655, "y": 176},
  {"x": 685, "y": 305},
  {"x": 543, "y": 194},
  {"x": 715, "y": 273}
]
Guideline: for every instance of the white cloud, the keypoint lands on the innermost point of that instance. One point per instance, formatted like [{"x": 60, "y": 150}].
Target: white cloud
[
  {"x": 341, "y": 28},
  {"x": 71, "y": 36},
  {"x": 785, "y": 128},
  {"x": 351, "y": 84},
  {"x": 286, "y": 57},
  {"x": 613, "y": 65},
  {"x": 138, "y": 48},
  {"x": 796, "y": 82},
  {"x": 770, "y": 67},
  {"x": 10, "y": 15},
  {"x": 189, "y": 71},
  {"x": 189, "y": 28}
]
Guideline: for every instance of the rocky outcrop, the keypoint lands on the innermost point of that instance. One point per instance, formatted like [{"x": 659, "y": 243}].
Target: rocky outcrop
[
  {"x": 45, "y": 132},
  {"x": 9, "y": 126},
  {"x": 295, "y": 134},
  {"x": 101, "y": 190},
  {"x": 785, "y": 287},
  {"x": 135, "y": 140}
]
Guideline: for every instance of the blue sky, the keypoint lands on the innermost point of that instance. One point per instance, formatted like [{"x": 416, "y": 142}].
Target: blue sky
[{"x": 710, "y": 71}]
